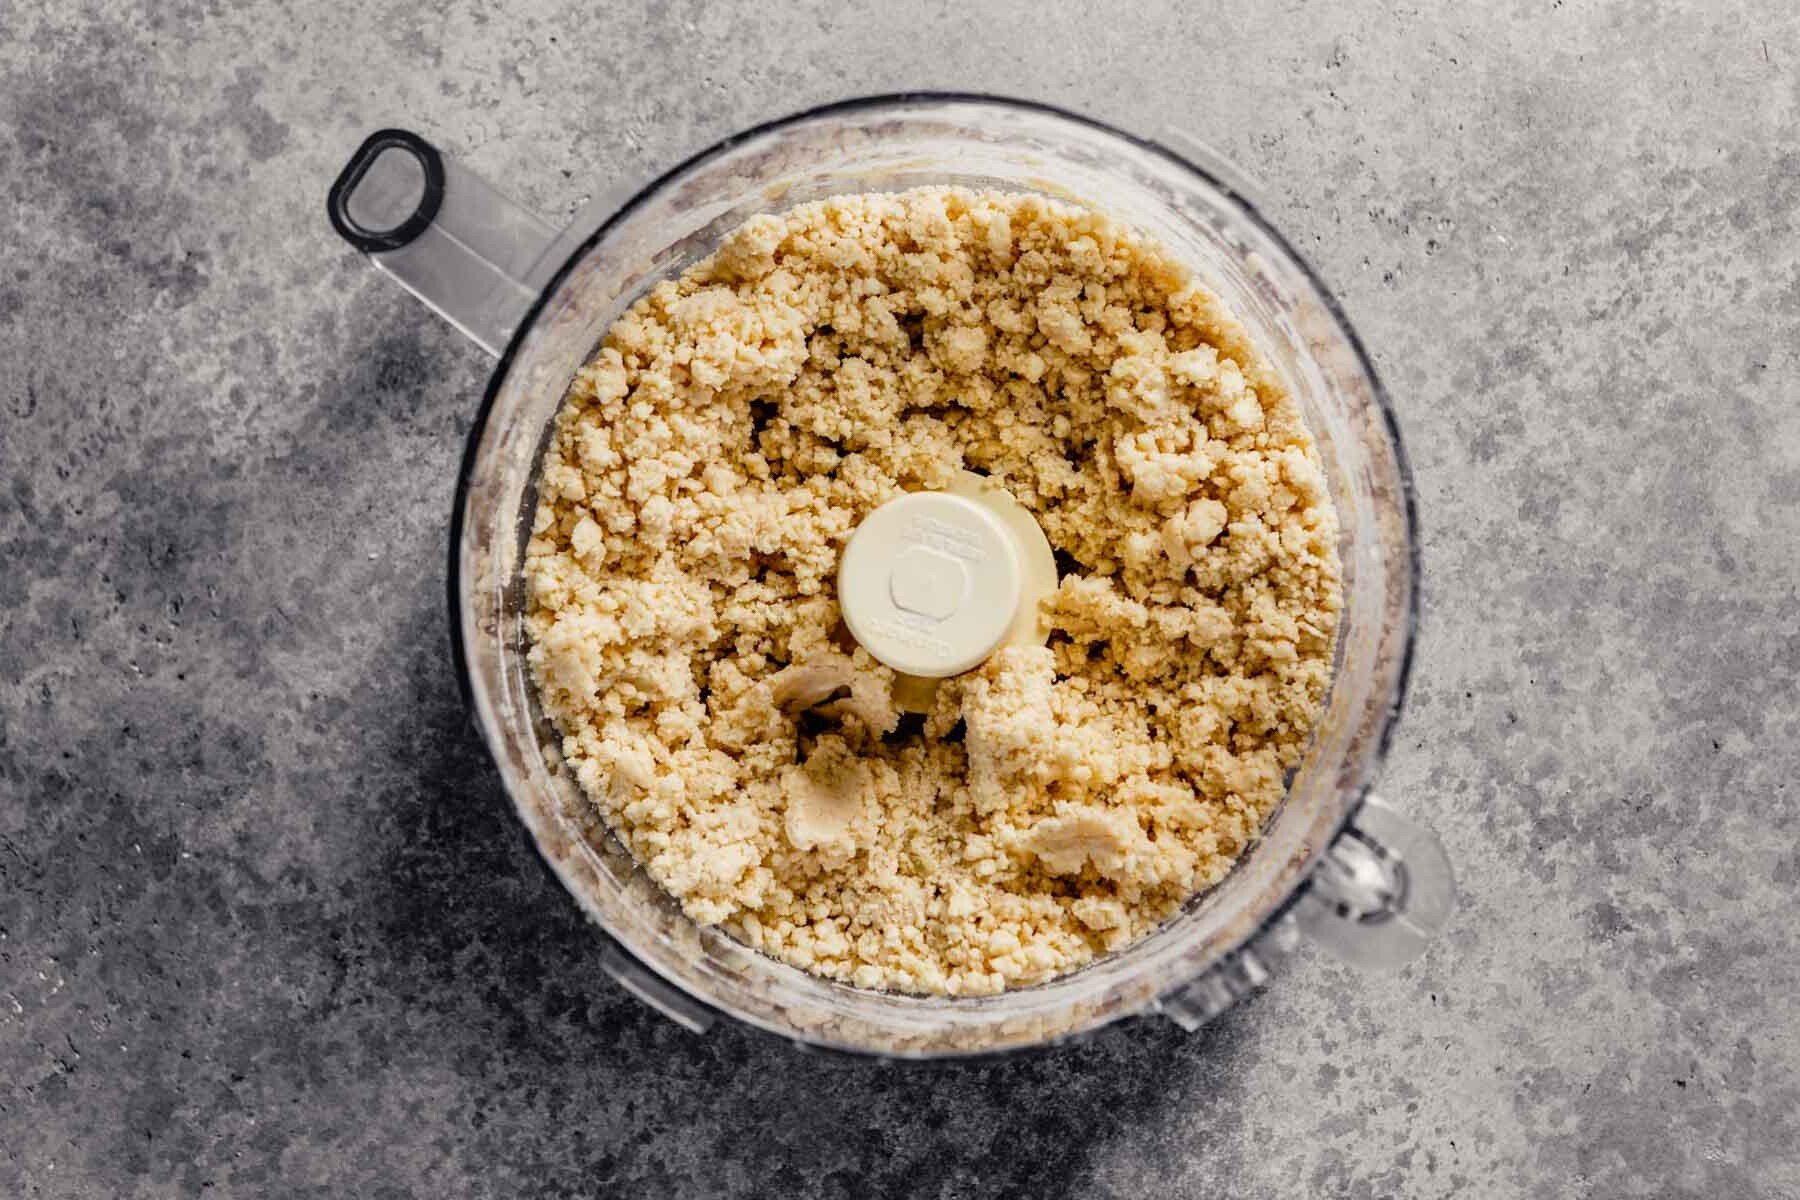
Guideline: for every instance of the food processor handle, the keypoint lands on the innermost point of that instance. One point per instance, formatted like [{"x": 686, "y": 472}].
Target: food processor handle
[
  {"x": 450, "y": 238},
  {"x": 1377, "y": 898}
]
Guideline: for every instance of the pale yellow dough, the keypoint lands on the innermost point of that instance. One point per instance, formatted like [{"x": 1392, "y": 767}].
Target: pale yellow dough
[{"x": 1059, "y": 801}]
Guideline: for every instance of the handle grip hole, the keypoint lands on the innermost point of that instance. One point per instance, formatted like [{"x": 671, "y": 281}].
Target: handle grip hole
[{"x": 388, "y": 193}]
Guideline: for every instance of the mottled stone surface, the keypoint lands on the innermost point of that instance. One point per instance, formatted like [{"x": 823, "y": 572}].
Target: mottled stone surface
[{"x": 266, "y": 924}]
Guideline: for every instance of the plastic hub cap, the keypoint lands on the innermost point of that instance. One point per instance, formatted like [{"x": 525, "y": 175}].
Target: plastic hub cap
[{"x": 930, "y": 583}]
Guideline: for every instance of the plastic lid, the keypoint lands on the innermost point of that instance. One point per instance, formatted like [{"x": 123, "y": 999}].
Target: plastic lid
[{"x": 930, "y": 583}]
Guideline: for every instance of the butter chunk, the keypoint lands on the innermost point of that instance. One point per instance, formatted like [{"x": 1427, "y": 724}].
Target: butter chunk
[
  {"x": 824, "y": 798},
  {"x": 1106, "y": 838}
]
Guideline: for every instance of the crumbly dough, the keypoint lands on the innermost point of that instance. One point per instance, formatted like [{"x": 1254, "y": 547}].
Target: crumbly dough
[{"x": 1060, "y": 800}]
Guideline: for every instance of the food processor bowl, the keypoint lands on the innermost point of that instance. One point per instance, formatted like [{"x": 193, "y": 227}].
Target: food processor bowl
[{"x": 1333, "y": 862}]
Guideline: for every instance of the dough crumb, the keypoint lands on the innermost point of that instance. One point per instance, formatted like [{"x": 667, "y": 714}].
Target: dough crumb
[{"x": 1061, "y": 800}]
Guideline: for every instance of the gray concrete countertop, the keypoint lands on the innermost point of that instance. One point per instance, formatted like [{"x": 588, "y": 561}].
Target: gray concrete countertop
[{"x": 267, "y": 926}]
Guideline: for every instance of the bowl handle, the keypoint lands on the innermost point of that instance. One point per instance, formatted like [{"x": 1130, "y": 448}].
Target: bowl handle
[{"x": 445, "y": 234}]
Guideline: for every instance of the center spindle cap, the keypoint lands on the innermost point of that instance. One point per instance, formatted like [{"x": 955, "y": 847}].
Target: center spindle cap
[{"x": 930, "y": 583}]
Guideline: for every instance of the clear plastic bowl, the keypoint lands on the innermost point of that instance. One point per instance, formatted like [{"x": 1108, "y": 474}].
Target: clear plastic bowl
[{"x": 1365, "y": 881}]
